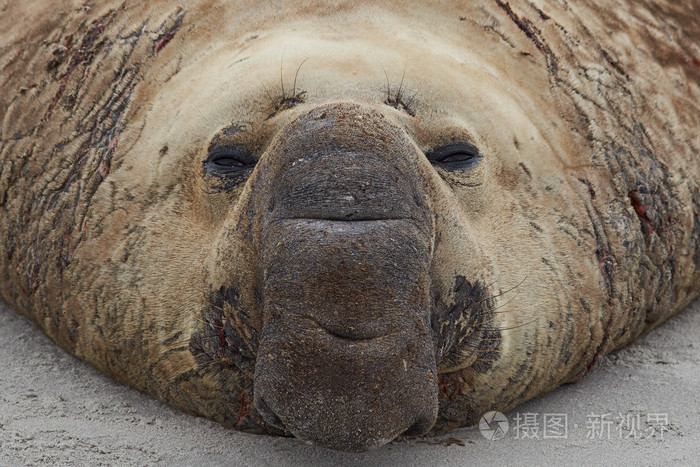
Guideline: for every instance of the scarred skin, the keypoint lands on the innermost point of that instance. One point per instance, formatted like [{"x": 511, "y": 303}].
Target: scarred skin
[{"x": 345, "y": 286}]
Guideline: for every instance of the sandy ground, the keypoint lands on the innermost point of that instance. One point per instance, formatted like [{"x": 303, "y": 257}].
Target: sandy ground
[{"x": 641, "y": 407}]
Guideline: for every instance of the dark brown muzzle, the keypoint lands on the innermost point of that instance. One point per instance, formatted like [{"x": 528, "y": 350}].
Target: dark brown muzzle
[{"x": 346, "y": 357}]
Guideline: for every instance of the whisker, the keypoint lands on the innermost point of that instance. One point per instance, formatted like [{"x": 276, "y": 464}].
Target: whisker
[
  {"x": 388, "y": 86},
  {"x": 479, "y": 349},
  {"x": 398, "y": 93},
  {"x": 514, "y": 310},
  {"x": 208, "y": 323},
  {"x": 205, "y": 119},
  {"x": 516, "y": 326},
  {"x": 273, "y": 102},
  {"x": 504, "y": 292},
  {"x": 506, "y": 303},
  {"x": 410, "y": 102},
  {"x": 483, "y": 323},
  {"x": 294, "y": 88},
  {"x": 281, "y": 76}
]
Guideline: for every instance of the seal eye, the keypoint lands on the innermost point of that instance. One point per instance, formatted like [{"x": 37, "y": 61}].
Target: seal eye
[
  {"x": 228, "y": 160},
  {"x": 456, "y": 156}
]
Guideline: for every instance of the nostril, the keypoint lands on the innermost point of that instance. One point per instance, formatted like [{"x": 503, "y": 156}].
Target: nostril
[
  {"x": 420, "y": 427},
  {"x": 268, "y": 414}
]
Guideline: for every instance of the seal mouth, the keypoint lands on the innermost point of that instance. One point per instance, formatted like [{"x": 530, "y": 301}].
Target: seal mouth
[
  {"x": 347, "y": 218},
  {"x": 353, "y": 335},
  {"x": 366, "y": 221}
]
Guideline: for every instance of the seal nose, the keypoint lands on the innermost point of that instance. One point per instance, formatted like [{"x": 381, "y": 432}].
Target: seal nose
[
  {"x": 341, "y": 184},
  {"x": 344, "y": 163}
]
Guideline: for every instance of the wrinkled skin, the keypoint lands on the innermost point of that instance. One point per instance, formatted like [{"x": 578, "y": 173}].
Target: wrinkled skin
[{"x": 247, "y": 212}]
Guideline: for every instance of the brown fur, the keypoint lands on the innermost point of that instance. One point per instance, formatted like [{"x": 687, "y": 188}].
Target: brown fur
[{"x": 578, "y": 232}]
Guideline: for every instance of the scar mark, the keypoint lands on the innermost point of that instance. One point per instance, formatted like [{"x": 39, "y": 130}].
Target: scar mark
[
  {"x": 642, "y": 211},
  {"x": 163, "y": 40},
  {"x": 525, "y": 169},
  {"x": 533, "y": 33}
]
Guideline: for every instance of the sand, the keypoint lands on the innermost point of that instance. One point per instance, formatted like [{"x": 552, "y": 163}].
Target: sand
[{"x": 641, "y": 407}]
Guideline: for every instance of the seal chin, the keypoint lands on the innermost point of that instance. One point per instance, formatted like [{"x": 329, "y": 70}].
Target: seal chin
[{"x": 345, "y": 394}]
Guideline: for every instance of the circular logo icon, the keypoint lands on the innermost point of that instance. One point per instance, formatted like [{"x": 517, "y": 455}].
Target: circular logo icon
[{"x": 493, "y": 425}]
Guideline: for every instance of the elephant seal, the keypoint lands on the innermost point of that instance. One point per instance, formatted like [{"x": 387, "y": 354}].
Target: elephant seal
[{"x": 349, "y": 221}]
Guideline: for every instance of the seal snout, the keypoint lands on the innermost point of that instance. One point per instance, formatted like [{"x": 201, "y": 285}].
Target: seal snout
[{"x": 346, "y": 356}]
